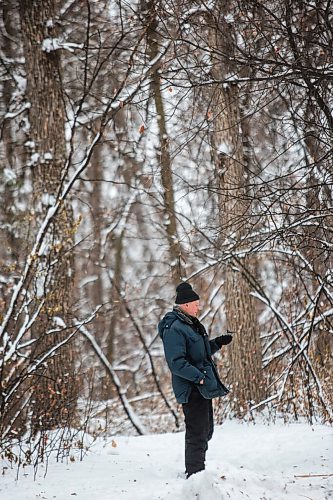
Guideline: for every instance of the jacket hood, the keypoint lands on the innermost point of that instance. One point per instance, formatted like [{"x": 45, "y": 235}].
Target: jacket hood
[
  {"x": 170, "y": 317},
  {"x": 167, "y": 321}
]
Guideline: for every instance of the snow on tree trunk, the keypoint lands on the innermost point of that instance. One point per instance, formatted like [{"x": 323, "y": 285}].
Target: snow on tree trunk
[{"x": 52, "y": 277}]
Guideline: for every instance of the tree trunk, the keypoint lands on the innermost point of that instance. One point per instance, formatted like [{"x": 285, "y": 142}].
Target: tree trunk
[
  {"x": 319, "y": 201},
  {"x": 170, "y": 221},
  {"x": 95, "y": 265},
  {"x": 12, "y": 218},
  {"x": 55, "y": 388},
  {"x": 234, "y": 210},
  {"x": 11, "y": 245}
]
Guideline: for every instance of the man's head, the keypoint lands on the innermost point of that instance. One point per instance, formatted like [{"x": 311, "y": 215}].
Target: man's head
[{"x": 187, "y": 299}]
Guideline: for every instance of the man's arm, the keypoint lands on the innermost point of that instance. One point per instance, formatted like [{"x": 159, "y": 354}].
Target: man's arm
[
  {"x": 174, "y": 344},
  {"x": 218, "y": 342}
]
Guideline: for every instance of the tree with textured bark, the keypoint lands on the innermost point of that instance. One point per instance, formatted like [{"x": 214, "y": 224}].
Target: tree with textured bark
[
  {"x": 234, "y": 217},
  {"x": 55, "y": 386},
  {"x": 169, "y": 215}
]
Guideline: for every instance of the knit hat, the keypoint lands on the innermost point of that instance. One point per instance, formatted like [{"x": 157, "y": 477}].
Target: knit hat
[{"x": 185, "y": 293}]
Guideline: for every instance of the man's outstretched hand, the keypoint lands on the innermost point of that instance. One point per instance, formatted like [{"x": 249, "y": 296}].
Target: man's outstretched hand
[{"x": 223, "y": 340}]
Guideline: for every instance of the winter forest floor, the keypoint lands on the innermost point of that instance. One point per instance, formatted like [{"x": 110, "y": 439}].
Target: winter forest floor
[{"x": 244, "y": 461}]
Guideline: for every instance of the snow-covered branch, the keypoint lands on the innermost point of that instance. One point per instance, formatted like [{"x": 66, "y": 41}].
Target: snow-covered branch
[{"x": 115, "y": 380}]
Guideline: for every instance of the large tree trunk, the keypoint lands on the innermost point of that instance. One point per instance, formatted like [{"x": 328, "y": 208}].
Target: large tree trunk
[
  {"x": 234, "y": 210},
  {"x": 55, "y": 391},
  {"x": 170, "y": 220}
]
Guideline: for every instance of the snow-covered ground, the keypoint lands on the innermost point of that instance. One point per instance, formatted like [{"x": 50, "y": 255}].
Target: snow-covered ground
[{"x": 258, "y": 461}]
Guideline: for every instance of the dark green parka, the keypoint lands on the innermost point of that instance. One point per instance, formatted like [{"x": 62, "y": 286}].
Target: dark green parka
[{"x": 188, "y": 354}]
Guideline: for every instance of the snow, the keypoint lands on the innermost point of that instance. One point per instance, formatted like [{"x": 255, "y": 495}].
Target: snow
[
  {"x": 224, "y": 149},
  {"x": 9, "y": 115},
  {"x": 48, "y": 199},
  {"x": 229, "y": 18},
  {"x": 244, "y": 461},
  {"x": 66, "y": 6},
  {"x": 51, "y": 44},
  {"x": 34, "y": 158},
  {"x": 9, "y": 175}
]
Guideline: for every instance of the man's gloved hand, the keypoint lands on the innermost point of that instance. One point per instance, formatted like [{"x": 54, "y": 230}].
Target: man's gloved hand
[{"x": 223, "y": 340}]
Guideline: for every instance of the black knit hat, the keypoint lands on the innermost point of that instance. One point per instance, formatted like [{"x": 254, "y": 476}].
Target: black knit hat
[{"x": 185, "y": 293}]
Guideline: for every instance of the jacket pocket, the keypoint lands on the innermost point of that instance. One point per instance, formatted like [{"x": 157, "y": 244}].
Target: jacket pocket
[{"x": 210, "y": 379}]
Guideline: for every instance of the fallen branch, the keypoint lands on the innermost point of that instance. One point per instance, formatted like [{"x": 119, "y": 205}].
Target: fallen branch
[
  {"x": 313, "y": 475},
  {"x": 133, "y": 417}
]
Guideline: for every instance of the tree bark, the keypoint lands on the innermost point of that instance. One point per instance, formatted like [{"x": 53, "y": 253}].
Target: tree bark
[
  {"x": 12, "y": 219},
  {"x": 170, "y": 220},
  {"x": 234, "y": 214},
  {"x": 11, "y": 245},
  {"x": 55, "y": 387}
]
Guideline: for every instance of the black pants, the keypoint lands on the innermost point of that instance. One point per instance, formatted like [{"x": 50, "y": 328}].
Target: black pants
[{"x": 199, "y": 427}]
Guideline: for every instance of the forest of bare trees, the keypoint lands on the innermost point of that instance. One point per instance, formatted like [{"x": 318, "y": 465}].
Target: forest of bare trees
[{"x": 145, "y": 143}]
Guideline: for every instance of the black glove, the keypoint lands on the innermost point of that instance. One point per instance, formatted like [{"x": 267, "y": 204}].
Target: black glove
[{"x": 223, "y": 340}]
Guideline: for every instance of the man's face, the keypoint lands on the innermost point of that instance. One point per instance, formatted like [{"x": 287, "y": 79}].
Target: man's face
[{"x": 191, "y": 308}]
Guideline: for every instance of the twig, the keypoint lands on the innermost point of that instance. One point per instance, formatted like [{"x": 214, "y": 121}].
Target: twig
[{"x": 313, "y": 475}]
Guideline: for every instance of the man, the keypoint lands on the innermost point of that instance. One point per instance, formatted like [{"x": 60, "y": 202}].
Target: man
[{"x": 195, "y": 380}]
